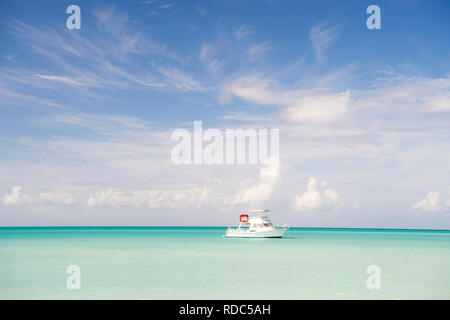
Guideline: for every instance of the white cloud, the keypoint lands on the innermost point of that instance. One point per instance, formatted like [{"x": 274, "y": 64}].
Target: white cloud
[
  {"x": 146, "y": 198},
  {"x": 311, "y": 199},
  {"x": 152, "y": 198},
  {"x": 317, "y": 199},
  {"x": 133, "y": 154},
  {"x": 56, "y": 198},
  {"x": 439, "y": 103},
  {"x": 108, "y": 197},
  {"x": 299, "y": 106},
  {"x": 401, "y": 96},
  {"x": 16, "y": 197},
  {"x": 318, "y": 108},
  {"x": 433, "y": 202},
  {"x": 331, "y": 196},
  {"x": 260, "y": 192},
  {"x": 13, "y": 197},
  {"x": 254, "y": 89},
  {"x": 409, "y": 95}
]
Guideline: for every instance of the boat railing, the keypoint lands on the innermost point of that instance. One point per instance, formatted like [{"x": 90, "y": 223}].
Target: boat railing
[{"x": 284, "y": 227}]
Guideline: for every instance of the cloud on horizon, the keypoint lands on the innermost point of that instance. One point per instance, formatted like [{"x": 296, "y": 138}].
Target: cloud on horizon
[
  {"x": 433, "y": 202},
  {"x": 318, "y": 198}
]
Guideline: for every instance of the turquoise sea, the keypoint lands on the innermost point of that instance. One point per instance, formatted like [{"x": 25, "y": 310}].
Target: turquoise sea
[{"x": 198, "y": 263}]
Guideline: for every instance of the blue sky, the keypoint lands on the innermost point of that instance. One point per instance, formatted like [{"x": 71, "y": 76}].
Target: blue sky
[{"x": 364, "y": 115}]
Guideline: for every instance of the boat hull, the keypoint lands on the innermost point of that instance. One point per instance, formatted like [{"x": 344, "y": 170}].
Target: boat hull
[{"x": 235, "y": 233}]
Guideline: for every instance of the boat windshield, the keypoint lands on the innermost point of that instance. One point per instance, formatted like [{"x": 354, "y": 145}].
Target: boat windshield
[{"x": 261, "y": 225}]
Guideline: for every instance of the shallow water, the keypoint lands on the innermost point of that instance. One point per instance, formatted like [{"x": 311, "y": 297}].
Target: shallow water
[{"x": 198, "y": 263}]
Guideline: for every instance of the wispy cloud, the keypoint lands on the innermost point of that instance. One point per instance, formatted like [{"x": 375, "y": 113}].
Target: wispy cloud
[
  {"x": 242, "y": 31},
  {"x": 104, "y": 59},
  {"x": 166, "y": 6},
  {"x": 180, "y": 80},
  {"x": 86, "y": 81},
  {"x": 102, "y": 123},
  {"x": 259, "y": 49},
  {"x": 211, "y": 55},
  {"x": 322, "y": 37},
  {"x": 11, "y": 96},
  {"x": 201, "y": 11},
  {"x": 224, "y": 52},
  {"x": 9, "y": 57}
]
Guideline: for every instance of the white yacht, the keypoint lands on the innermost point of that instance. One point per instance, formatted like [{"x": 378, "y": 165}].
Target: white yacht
[{"x": 255, "y": 224}]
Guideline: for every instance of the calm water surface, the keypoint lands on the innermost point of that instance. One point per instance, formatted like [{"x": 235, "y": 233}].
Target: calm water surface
[{"x": 198, "y": 263}]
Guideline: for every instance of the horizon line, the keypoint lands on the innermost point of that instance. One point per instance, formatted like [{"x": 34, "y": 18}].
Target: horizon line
[{"x": 192, "y": 226}]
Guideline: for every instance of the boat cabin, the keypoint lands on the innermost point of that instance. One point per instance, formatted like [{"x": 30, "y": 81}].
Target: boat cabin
[{"x": 259, "y": 221}]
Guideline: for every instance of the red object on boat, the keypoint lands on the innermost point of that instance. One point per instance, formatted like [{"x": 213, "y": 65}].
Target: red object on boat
[{"x": 243, "y": 218}]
